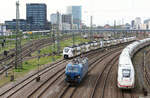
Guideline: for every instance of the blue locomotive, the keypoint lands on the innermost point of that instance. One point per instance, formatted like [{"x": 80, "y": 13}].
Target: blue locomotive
[{"x": 76, "y": 70}]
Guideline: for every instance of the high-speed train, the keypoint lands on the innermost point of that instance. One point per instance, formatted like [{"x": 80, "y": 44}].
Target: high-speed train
[
  {"x": 69, "y": 52},
  {"x": 126, "y": 73}
]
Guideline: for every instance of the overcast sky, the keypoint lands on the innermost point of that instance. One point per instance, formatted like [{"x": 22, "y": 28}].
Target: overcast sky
[{"x": 103, "y": 11}]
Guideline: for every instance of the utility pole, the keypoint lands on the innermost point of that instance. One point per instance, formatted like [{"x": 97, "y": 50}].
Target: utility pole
[
  {"x": 114, "y": 28},
  {"x": 122, "y": 22},
  {"x": 91, "y": 27},
  {"x": 57, "y": 30},
  {"x": 53, "y": 38},
  {"x": 73, "y": 37},
  {"x": 18, "y": 56},
  {"x": 122, "y": 25}
]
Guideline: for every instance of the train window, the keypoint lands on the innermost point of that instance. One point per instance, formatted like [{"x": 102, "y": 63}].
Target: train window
[{"x": 126, "y": 73}]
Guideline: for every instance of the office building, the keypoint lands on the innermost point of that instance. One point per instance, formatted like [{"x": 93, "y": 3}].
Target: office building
[
  {"x": 137, "y": 22},
  {"x": 67, "y": 21},
  {"x": 2, "y": 29},
  {"x": 146, "y": 21},
  {"x": 67, "y": 18},
  {"x": 53, "y": 18},
  {"x": 56, "y": 20},
  {"x": 11, "y": 25},
  {"x": 76, "y": 12},
  {"x": 133, "y": 24},
  {"x": 36, "y": 15}
]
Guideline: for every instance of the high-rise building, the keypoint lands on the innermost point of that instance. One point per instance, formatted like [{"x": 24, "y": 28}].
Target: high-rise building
[
  {"x": 76, "y": 12},
  {"x": 137, "y": 22},
  {"x": 2, "y": 29},
  {"x": 53, "y": 18},
  {"x": 133, "y": 24},
  {"x": 67, "y": 18},
  {"x": 67, "y": 22},
  {"x": 146, "y": 21},
  {"x": 36, "y": 15},
  {"x": 56, "y": 20}
]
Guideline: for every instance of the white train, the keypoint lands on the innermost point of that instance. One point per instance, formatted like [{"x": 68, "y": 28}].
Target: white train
[
  {"x": 72, "y": 51},
  {"x": 126, "y": 74}
]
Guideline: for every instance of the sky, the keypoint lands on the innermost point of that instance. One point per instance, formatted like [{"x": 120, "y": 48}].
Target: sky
[{"x": 103, "y": 11}]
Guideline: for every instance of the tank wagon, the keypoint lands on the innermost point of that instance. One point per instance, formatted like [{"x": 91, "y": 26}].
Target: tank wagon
[
  {"x": 76, "y": 70},
  {"x": 75, "y": 50},
  {"x": 126, "y": 73}
]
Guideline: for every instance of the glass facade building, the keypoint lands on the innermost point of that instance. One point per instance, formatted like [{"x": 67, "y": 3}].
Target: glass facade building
[
  {"x": 36, "y": 15},
  {"x": 76, "y": 12},
  {"x": 11, "y": 25},
  {"x": 67, "y": 18}
]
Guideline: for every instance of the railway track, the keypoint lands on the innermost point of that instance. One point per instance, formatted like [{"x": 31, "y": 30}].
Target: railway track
[
  {"x": 103, "y": 76},
  {"x": 11, "y": 62},
  {"x": 127, "y": 94},
  {"x": 26, "y": 51},
  {"x": 11, "y": 91},
  {"x": 14, "y": 89},
  {"x": 39, "y": 91},
  {"x": 51, "y": 78},
  {"x": 90, "y": 89},
  {"x": 69, "y": 91},
  {"x": 28, "y": 45},
  {"x": 147, "y": 79}
]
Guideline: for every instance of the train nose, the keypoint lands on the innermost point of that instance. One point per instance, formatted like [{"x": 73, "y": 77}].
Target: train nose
[
  {"x": 66, "y": 56},
  {"x": 73, "y": 75}
]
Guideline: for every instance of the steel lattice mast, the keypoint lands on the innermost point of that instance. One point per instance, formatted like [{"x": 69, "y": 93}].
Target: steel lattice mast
[
  {"x": 58, "y": 31},
  {"x": 18, "y": 56},
  {"x": 91, "y": 27}
]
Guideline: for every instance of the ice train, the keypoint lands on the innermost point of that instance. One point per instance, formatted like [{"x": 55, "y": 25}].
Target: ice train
[{"x": 126, "y": 73}]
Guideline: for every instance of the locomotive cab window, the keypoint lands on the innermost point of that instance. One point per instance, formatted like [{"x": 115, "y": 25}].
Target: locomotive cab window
[
  {"x": 66, "y": 50},
  {"x": 126, "y": 73},
  {"x": 72, "y": 69}
]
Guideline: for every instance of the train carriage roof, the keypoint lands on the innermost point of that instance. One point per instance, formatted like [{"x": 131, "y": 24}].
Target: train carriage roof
[{"x": 124, "y": 61}]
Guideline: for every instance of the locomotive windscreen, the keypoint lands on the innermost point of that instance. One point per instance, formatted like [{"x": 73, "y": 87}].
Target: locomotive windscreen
[
  {"x": 126, "y": 73},
  {"x": 66, "y": 50},
  {"x": 72, "y": 69}
]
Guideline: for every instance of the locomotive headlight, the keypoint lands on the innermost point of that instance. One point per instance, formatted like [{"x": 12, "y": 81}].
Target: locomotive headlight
[{"x": 78, "y": 77}]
